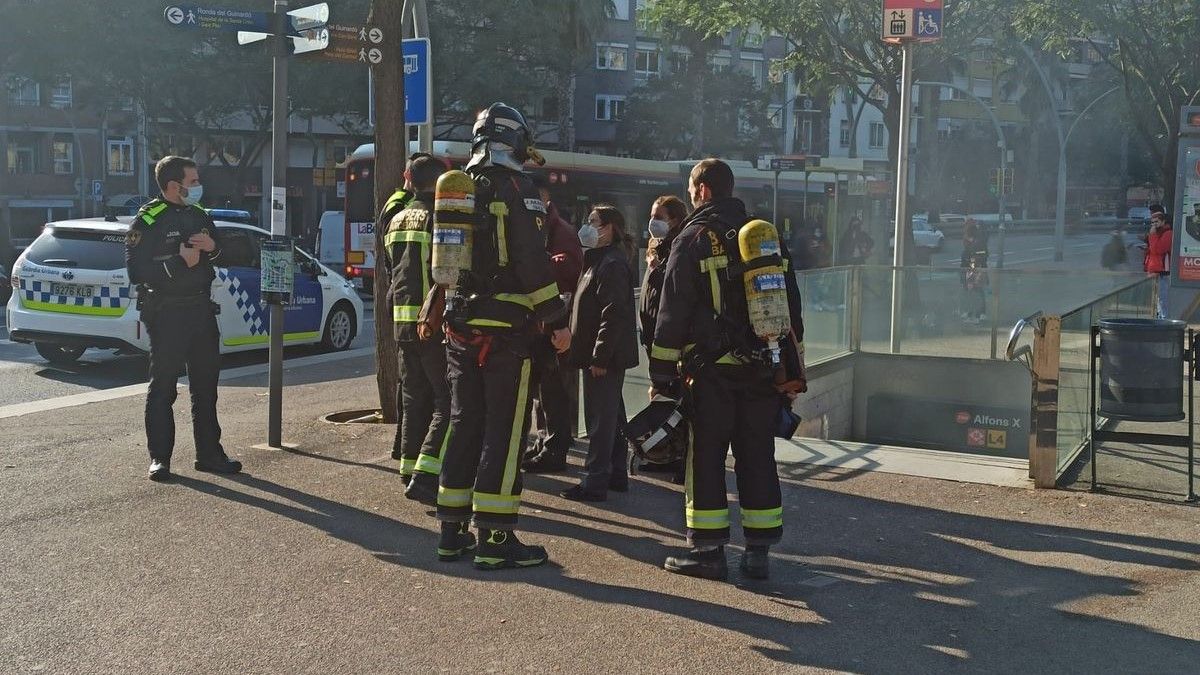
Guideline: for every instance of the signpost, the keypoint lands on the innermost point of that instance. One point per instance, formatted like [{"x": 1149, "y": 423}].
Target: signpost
[
  {"x": 906, "y": 22},
  {"x": 779, "y": 165}
]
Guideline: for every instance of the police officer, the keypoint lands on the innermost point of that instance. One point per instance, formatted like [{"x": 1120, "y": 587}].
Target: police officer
[
  {"x": 170, "y": 251},
  {"x": 703, "y": 335},
  {"x": 507, "y": 294},
  {"x": 424, "y": 395}
]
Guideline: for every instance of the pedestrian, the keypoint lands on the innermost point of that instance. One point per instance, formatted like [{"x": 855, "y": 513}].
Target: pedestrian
[
  {"x": 973, "y": 262},
  {"x": 856, "y": 245},
  {"x": 170, "y": 251},
  {"x": 1157, "y": 262},
  {"x": 423, "y": 397},
  {"x": 604, "y": 346},
  {"x": 506, "y": 292},
  {"x": 1113, "y": 256},
  {"x": 553, "y": 383},
  {"x": 706, "y": 352}
]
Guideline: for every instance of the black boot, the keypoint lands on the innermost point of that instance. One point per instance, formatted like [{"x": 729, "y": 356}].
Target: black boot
[
  {"x": 455, "y": 541},
  {"x": 423, "y": 488},
  {"x": 696, "y": 563},
  {"x": 499, "y": 549},
  {"x": 548, "y": 461},
  {"x": 755, "y": 562},
  {"x": 220, "y": 464}
]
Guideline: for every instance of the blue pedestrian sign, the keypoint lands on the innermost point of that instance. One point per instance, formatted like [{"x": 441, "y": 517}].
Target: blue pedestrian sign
[
  {"x": 217, "y": 18},
  {"x": 418, "y": 82}
]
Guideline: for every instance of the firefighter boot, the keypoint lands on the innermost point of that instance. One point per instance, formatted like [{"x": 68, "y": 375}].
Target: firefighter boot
[
  {"x": 455, "y": 541},
  {"x": 754, "y": 563},
  {"x": 499, "y": 549},
  {"x": 422, "y": 488},
  {"x": 703, "y": 563}
]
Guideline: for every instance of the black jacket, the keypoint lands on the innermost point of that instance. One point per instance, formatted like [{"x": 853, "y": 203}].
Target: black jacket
[
  {"x": 152, "y": 250},
  {"x": 652, "y": 290},
  {"x": 406, "y": 247},
  {"x": 603, "y": 329}
]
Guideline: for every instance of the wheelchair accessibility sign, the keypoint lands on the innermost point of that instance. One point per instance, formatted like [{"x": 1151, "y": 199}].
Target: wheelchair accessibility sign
[{"x": 912, "y": 20}]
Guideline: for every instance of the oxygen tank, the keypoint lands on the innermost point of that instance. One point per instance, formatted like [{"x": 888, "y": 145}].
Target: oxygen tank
[
  {"x": 453, "y": 227},
  {"x": 764, "y": 282}
]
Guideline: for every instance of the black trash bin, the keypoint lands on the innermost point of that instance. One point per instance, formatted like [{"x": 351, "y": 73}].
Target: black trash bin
[{"x": 1141, "y": 369}]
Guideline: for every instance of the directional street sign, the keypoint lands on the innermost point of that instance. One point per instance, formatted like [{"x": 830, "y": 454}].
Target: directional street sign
[
  {"x": 355, "y": 43},
  {"x": 418, "y": 82},
  {"x": 217, "y": 18},
  {"x": 788, "y": 163},
  {"x": 912, "y": 20}
]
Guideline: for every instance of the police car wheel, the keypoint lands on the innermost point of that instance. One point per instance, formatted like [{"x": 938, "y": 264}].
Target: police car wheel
[
  {"x": 59, "y": 354},
  {"x": 339, "y": 328}
]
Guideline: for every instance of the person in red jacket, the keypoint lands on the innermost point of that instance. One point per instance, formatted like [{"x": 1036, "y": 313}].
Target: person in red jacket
[
  {"x": 1158, "y": 257},
  {"x": 552, "y": 381}
]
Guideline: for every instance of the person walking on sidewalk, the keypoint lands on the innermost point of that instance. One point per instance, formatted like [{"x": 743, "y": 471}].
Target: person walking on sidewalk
[
  {"x": 1158, "y": 259},
  {"x": 604, "y": 345},
  {"x": 424, "y": 395},
  {"x": 553, "y": 380},
  {"x": 170, "y": 250}
]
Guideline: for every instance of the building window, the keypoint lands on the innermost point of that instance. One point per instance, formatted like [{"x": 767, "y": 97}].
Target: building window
[
  {"x": 878, "y": 135},
  {"x": 643, "y": 16},
  {"x": 806, "y": 135},
  {"x": 124, "y": 103},
  {"x": 621, "y": 10},
  {"x": 62, "y": 152},
  {"x": 646, "y": 63},
  {"x": 24, "y": 92},
  {"x": 20, "y": 157},
  {"x": 609, "y": 107},
  {"x": 720, "y": 64},
  {"x": 172, "y": 144},
  {"x": 61, "y": 94},
  {"x": 850, "y": 96},
  {"x": 844, "y": 134},
  {"x": 679, "y": 61},
  {"x": 611, "y": 56},
  {"x": 775, "y": 116},
  {"x": 753, "y": 68},
  {"x": 120, "y": 156}
]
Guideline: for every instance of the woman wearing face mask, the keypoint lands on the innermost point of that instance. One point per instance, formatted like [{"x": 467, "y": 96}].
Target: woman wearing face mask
[
  {"x": 666, "y": 215},
  {"x": 604, "y": 346}
]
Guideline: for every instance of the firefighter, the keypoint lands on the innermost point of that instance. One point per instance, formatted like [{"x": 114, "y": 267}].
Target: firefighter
[
  {"x": 424, "y": 396},
  {"x": 705, "y": 350},
  {"x": 170, "y": 251},
  {"x": 493, "y": 310}
]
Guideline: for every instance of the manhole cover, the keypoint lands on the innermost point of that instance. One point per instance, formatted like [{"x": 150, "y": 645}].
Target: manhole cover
[{"x": 354, "y": 417}]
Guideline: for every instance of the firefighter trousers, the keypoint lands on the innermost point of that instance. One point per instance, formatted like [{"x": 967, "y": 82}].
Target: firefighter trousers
[
  {"x": 424, "y": 400},
  {"x": 732, "y": 407},
  {"x": 184, "y": 337},
  {"x": 489, "y": 416}
]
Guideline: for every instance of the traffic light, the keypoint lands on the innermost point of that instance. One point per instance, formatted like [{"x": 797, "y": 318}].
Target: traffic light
[{"x": 1007, "y": 185}]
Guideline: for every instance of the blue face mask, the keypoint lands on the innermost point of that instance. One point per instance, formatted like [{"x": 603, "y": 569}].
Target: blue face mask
[
  {"x": 589, "y": 236},
  {"x": 192, "y": 195},
  {"x": 659, "y": 228}
]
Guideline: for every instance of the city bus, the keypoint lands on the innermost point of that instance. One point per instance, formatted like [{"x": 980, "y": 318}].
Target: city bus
[{"x": 578, "y": 181}]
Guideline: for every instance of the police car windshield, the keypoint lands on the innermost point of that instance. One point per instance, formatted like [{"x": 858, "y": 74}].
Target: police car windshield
[{"x": 78, "y": 248}]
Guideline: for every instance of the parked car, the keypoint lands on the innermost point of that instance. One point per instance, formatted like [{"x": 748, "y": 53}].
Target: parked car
[
  {"x": 1139, "y": 217},
  {"x": 71, "y": 292},
  {"x": 924, "y": 236},
  {"x": 232, "y": 216}
]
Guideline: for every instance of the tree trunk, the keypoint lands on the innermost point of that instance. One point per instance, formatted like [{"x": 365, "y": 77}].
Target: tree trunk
[
  {"x": 1167, "y": 170},
  {"x": 391, "y": 150}
]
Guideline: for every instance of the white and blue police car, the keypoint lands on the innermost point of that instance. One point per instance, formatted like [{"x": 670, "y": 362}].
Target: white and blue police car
[{"x": 71, "y": 292}]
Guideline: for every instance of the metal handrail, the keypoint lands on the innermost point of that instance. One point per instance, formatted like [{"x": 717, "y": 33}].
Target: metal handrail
[{"x": 1015, "y": 335}]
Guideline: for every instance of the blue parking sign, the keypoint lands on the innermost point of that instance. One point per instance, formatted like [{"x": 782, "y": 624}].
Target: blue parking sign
[{"x": 418, "y": 82}]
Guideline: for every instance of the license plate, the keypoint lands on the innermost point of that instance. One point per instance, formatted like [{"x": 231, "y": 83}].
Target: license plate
[{"x": 73, "y": 290}]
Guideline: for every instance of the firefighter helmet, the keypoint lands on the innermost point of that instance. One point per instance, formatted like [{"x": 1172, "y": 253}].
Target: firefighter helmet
[{"x": 659, "y": 433}]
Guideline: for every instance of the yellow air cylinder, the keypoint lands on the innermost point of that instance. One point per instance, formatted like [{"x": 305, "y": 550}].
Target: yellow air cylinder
[
  {"x": 453, "y": 227},
  {"x": 765, "y": 286}
]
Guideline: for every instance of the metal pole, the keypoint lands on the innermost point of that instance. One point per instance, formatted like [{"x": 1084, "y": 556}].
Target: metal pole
[
  {"x": 1191, "y": 414},
  {"x": 1095, "y": 330},
  {"x": 900, "y": 250},
  {"x": 1000, "y": 200},
  {"x": 804, "y": 201},
  {"x": 775, "y": 203},
  {"x": 279, "y": 129},
  {"x": 1060, "y": 203}
]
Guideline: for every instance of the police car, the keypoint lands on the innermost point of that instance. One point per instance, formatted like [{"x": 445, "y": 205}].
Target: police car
[{"x": 71, "y": 292}]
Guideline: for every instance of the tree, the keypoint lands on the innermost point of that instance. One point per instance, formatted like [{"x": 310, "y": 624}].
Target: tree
[{"x": 1151, "y": 46}]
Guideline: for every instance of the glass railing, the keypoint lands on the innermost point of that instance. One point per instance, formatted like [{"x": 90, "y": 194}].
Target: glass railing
[
  {"x": 1133, "y": 300},
  {"x": 828, "y": 308}
]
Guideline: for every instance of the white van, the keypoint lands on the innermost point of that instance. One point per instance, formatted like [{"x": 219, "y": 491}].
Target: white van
[{"x": 331, "y": 240}]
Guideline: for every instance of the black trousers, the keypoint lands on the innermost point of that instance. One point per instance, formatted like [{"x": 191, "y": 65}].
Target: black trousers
[
  {"x": 184, "y": 338},
  {"x": 551, "y": 398},
  {"x": 604, "y": 410},
  {"x": 489, "y": 416},
  {"x": 424, "y": 402},
  {"x": 732, "y": 407}
]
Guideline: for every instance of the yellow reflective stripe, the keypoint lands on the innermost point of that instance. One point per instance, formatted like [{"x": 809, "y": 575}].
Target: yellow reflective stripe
[
  {"x": 398, "y": 236},
  {"x": 500, "y": 210},
  {"x": 399, "y": 197},
  {"x": 520, "y": 417},
  {"x": 428, "y": 464},
  {"x": 407, "y": 466},
  {"x": 714, "y": 263},
  {"x": 786, "y": 264},
  {"x": 730, "y": 360},
  {"x": 151, "y": 213},
  {"x": 405, "y": 313},
  {"x": 72, "y": 309},
  {"x": 707, "y": 519},
  {"x": 515, "y": 298},
  {"x": 543, "y": 294},
  {"x": 492, "y": 323},
  {"x": 762, "y": 518},
  {"x": 711, "y": 265},
  {"x": 664, "y": 353},
  {"x": 453, "y": 497},
  {"x": 263, "y": 339},
  {"x": 490, "y": 503}
]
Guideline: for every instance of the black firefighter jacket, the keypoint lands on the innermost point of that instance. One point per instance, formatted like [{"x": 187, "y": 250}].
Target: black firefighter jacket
[{"x": 407, "y": 250}]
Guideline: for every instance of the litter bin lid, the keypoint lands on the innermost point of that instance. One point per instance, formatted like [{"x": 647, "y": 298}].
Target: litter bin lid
[{"x": 1125, "y": 325}]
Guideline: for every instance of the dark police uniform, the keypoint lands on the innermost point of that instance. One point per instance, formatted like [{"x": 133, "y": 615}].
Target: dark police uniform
[
  {"x": 180, "y": 317},
  {"x": 507, "y": 292}
]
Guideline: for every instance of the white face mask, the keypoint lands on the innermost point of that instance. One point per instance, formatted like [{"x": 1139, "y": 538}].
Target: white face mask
[
  {"x": 589, "y": 236},
  {"x": 191, "y": 195},
  {"x": 659, "y": 228}
]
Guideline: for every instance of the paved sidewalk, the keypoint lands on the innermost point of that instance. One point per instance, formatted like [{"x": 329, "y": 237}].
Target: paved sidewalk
[{"x": 312, "y": 562}]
